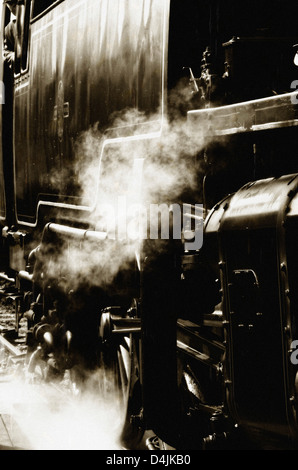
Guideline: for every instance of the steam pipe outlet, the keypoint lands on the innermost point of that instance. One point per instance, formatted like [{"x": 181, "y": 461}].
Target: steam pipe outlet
[
  {"x": 76, "y": 233},
  {"x": 25, "y": 276},
  {"x": 34, "y": 359},
  {"x": 33, "y": 255}
]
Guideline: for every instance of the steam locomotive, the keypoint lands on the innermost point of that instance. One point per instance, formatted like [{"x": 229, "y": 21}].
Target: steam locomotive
[{"x": 174, "y": 104}]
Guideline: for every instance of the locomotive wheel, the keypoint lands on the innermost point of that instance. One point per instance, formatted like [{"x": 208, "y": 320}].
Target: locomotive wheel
[{"x": 120, "y": 377}]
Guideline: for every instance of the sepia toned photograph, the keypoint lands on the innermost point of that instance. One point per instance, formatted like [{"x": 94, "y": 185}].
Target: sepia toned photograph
[{"x": 148, "y": 228}]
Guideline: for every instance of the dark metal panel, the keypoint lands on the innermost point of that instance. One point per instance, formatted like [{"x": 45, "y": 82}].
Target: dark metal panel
[
  {"x": 255, "y": 383},
  {"x": 258, "y": 204},
  {"x": 88, "y": 61},
  {"x": 248, "y": 116},
  {"x": 258, "y": 308},
  {"x": 5, "y": 129}
]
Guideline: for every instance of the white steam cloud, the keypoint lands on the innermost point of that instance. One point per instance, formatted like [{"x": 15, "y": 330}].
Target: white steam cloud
[
  {"x": 48, "y": 417},
  {"x": 120, "y": 173}
]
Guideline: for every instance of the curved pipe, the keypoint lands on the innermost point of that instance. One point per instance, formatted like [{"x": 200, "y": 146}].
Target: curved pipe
[
  {"x": 25, "y": 276},
  {"x": 77, "y": 233},
  {"x": 34, "y": 359}
]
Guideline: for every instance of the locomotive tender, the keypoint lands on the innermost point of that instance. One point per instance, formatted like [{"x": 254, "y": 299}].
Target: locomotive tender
[{"x": 200, "y": 342}]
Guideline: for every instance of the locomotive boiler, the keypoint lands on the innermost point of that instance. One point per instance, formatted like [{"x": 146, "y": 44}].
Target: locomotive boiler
[{"x": 113, "y": 109}]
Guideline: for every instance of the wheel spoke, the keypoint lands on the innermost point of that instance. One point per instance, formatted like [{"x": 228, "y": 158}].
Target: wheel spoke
[
  {"x": 127, "y": 342},
  {"x": 124, "y": 366},
  {"x": 119, "y": 363}
]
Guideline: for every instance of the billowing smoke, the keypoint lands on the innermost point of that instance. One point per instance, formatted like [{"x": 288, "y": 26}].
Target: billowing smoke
[
  {"x": 139, "y": 161},
  {"x": 38, "y": 415},
  {"x": 158, "y": 167},
  {"x": 43, "y": 418}
]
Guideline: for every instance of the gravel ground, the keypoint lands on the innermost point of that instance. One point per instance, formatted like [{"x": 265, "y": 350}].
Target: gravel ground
[{"x": 8, "y": 330}]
